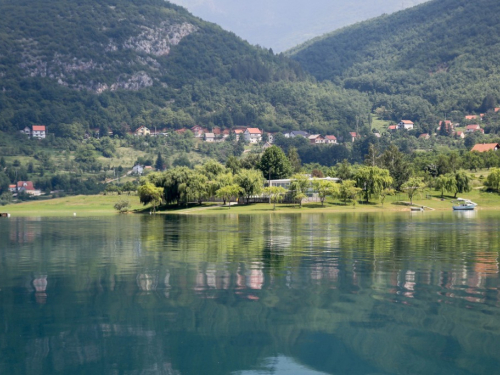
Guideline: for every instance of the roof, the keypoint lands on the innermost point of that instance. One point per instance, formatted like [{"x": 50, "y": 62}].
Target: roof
[
  {"x": 475, "y": 126},
  {"x": 392, "y": 127},
  {"x": 40, "y": 128},
  {"x": 180, "y": 131},
  {"x": 470, "y": 117},
  {"x": 407, "y": 122},
  {"x": 299, "y": 132},
  {"x": 216, "y": 130},
  {"x": 209, "y": 135},
  {"x": 447, "y": 122},
  {"x": 460, "y": 133},
  {"x": 483, "y": 147},
  {"x": 12, "y": 186},
  {"x": 254, "y": 130},
  {"x": 424, "y": 135},
  {"x": 28, "y": 185},
  {"x": 314, "y": 136},
  {"x": 238, "y": 131},
  {"x": 353, "y": 134},
  {"x": 330, "y": 137}
]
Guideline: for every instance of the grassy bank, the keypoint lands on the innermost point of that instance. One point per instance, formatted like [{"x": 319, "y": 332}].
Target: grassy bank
[
  {"x": 82, "y": 205},
  {"x": 102, "y": 205}
]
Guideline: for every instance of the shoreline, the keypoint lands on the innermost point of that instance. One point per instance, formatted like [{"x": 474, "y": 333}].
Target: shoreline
[{"x": 102, "y": 205}]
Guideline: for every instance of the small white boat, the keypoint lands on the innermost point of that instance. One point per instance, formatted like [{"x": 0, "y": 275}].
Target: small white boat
[
  {"x": 464, "y": 205},
  {"x": 416, "y": 209}
]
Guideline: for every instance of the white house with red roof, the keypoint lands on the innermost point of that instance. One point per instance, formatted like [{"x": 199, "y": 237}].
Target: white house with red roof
[
  {"x": 330, "y": 139},
  {"x": 198, "y": 131},
  {"x": 353, "y": 135},
  {"x": 472, "y": 128},
  {"x": 142, "y": 131},
  {"x": 253, "y": 135},
  {"x": 38, "y": 131},
  {"x": 405, "y": 124},
  {"x": 460, "y": 134}
]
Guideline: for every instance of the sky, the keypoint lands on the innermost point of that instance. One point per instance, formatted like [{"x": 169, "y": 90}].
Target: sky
[{"x": 283, "y": 24}]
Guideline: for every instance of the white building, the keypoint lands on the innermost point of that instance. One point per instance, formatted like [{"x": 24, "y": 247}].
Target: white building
[
  {"x": 405, "y": 124},
  {"x": 38, "y": 131},
  {"x": 253, "y": 135}
]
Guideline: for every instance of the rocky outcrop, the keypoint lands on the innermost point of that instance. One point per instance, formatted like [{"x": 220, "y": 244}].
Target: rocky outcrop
[
  {"x": 150, "y": 43},
  {"x": 157, "y": 41}
]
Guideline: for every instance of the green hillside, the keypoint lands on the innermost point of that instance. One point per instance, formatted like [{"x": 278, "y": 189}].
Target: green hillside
[
  {"x": 439, "y": 58},
  {"x": 118, "y": 64}
]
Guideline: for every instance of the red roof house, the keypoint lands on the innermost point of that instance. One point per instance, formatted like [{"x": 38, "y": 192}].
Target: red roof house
[{"x": 484, "y": 147}]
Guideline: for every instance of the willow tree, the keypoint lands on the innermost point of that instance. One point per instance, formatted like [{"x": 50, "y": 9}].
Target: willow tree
[
  {"x": 228, "y": 192},
  {"x": 372, "y": 180},
  {"x": 413, "y": 186},
  {"x": 250, "y": 181},
  {"x": 150, "y": 194},
  {"x": 275, "y": 193}
]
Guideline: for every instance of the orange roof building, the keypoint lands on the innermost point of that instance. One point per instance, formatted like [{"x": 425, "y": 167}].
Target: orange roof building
[{"x": 484, "y": 147}]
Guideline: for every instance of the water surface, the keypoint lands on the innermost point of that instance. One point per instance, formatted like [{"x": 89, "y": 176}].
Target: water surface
[{"x": 256, "y": 294}]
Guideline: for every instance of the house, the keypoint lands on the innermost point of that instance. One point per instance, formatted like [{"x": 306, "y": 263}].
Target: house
[
  {"x": 330, "y": 139},
  {"x": 209, "y": 137},
  {"x": 470, "y": 117},
  {"x": 405, "y": 124},
  {"x": 460, "y": 134},
  {"x": 484, "y": 147},
  {"x": 472, "y": 128},
  {"x": 137, "y": 169},
  {"x": 27, "y": 187},
  {"x": 198, "y": 131},
  {"x": 353, "y": 135},
  {"x": 12, "y": 188},
  {"x": 238, "y": 132},
  {"x": 497, "y": 109},
  {"x": 26, "y": 131},
  {"x": 270, "y": 138},
  {"x": 296, "y": 133},
  {"x": 316, "y": 139},
  {"x": 424, "y": 136},
  {"x": 38, "y": 131},
  {"x": 266, "y": 145},
  {"x": 217, "y": 131},
  {"x": 253, "y": 135},
  {"x": 225, "y": 133},
  {"x": 142, "y": 131},
  {"x": 392, "y": 128}
]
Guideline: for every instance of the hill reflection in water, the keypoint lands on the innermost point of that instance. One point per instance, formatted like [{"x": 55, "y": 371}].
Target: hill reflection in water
[{"x": 336, "y": 294}]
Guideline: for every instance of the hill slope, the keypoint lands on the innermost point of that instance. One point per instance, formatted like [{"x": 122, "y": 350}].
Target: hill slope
[
  {"x": 118, "y": 64},
  {"x": 434, "y": 58}
]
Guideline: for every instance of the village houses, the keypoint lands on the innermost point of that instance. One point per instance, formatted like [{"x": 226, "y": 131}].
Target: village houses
[{"x": 38, "y": 131}]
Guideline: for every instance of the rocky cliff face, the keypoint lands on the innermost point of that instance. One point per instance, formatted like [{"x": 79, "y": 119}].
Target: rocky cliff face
[{"x": 149, "y": 45}]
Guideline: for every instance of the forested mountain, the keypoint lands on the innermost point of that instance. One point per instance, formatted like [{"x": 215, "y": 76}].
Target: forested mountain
[
  {"x": 282, "y": 24},
  {"x": 427, "y": 61},
  {"x": 119, "y": 64}
]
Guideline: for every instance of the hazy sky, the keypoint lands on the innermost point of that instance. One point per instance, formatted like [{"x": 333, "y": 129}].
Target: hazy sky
[{"x": 282, "y": 24}]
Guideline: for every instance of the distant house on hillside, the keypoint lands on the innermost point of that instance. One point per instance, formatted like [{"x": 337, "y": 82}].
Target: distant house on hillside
[
  {"x": 142, "y": 131},
  {"x": 209, "y": 137},
  {"x": 316, "y": 139},
  {"x": 484, "y": 147},
  {"x": 296, "y": 133},
  {"x": 424, "y": 136},
  {"x": 472, "y": 128},
  {"x": 392, "y": 128},
  {"x": 38, "y": 131},
  {"x": 470, "y": 117},
  {"x": 138, "y": 169},
  {"x": 253, "y": 135},
  {"x": 27, "y": 187},
  {"x": 330, "y": 139},
  {"x": 26, "y": 131},
  {"x": 405, "y": 124},
  {"x": 198, "y": 131},
  {"x": 238, "y": 132},
  {"x": 460, "y": 134},
  {"x": 353, "y": 135}
]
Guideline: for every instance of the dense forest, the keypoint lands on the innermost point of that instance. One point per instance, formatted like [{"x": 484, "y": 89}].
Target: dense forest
[
  {"x": 119, "y": 64},
  {"x": 436, "y": 59}
]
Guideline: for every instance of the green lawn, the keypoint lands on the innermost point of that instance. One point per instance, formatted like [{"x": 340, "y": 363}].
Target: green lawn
[{"x": 82, "y": 205}]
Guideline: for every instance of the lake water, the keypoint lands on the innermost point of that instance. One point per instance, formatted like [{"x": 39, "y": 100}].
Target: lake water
[{"x": 263, "y": 294}]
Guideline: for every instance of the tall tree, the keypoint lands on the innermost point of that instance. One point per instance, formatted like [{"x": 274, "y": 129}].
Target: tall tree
[
  {"x": 250, "y": 181},
  {"x": 399, "y": 168},
  {"x": 274, "y": 164},
  {"x": 294, "y": 158},
  {"x": 150, "y": 194},
  {"x": 413, "y": 186}
]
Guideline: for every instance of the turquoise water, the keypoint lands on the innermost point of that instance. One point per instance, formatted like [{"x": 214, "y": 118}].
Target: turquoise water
[{"x": 262, "y": 294}]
